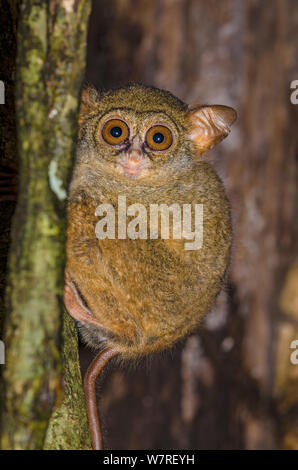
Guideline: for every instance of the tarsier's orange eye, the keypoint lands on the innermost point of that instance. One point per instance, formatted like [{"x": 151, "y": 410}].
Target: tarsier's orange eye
[
  {"x": 159, "y": 138},
  {"x": 115, "y": 131}
]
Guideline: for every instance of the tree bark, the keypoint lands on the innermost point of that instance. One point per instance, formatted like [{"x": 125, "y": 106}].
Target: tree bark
[
  {"x": 8, "y": 146},
  {"x": 8, "y": 142},
  {"x": 68, "y": 427},
  {"x": 50, "y": 68}
]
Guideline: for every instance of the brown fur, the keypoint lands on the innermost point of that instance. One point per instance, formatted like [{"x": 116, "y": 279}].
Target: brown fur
[{"x": 146, "y": 294}]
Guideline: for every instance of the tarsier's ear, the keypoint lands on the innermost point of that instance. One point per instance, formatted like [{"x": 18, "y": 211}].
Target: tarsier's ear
[
  {"x": 88, "y": 101},
  {"x": 210, "y": 124}
]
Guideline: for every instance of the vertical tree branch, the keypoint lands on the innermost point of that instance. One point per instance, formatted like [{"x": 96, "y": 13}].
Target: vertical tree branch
[
  {"x": 8, "y": 151},
  {"x": 50, "y": 67},
  {"x": 68, "y": 427}
]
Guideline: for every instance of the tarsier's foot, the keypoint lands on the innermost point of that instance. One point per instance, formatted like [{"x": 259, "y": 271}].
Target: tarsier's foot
[
  {"x": 8, "y": 181},
  {"x": 78, "y": 311}
]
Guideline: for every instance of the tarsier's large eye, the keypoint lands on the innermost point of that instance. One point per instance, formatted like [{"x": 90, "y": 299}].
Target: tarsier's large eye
[
  {"x": 159, "y": 137},
  {"x": 115, "y": 131}
]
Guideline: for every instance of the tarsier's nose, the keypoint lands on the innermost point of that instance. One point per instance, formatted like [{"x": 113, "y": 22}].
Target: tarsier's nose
[
  {"x": 133, "y": 161},
  {"x": 134, "y": 155}
]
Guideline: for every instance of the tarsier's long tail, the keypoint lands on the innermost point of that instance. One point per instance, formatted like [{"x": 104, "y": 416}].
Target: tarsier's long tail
[{"x": 96, "y": 367}]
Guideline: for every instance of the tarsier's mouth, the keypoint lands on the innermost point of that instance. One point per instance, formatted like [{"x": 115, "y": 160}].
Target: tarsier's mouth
[
  {"x": 133, "y": 171},
  {"x": 133, "y": 167}
]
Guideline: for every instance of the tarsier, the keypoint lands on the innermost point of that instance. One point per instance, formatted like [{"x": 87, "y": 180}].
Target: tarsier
[{"x": 136, "y": 296}]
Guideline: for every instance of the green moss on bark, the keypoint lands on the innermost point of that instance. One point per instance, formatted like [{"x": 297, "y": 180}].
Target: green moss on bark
[
  {"x": 50, "y": 68},
  {"x": 68, "y": 427},
  {"x": 8, "y": 146}
]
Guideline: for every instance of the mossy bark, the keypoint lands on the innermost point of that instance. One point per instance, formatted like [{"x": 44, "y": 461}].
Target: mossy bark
[
  {"x": 68, "y": 427},
  {"x": 8, "y": 142},
  {"x": 8, "y": 150},
  {"x": 50, "y": 68}
]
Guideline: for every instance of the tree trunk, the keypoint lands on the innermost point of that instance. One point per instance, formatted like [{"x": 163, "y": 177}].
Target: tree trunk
[
  {"x": 68, "y": 426},
  {"x": 232, "y": 385},
  {"x": 8, "y": 144},
  {"x": 50, "y": 68}
]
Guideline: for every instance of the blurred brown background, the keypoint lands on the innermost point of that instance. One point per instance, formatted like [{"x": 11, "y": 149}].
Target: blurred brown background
[{"x": 232, "y": 385}]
